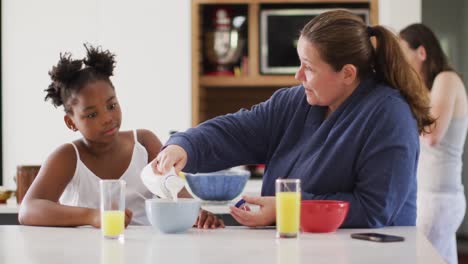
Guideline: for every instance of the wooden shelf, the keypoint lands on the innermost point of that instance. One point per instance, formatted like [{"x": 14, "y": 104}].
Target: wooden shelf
[
  {"x": 278, "y": 1},
  {"x": 217, "y": 95},
  {"x": 249, "y": 81}
]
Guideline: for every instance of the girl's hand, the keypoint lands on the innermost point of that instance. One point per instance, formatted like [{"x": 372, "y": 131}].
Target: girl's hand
[
  {"x": 265, "y": 216},
  {"x": 128, "y": 216},
  {"x": 96, "y": 217},
  {"x": 172, "y": 156},
  {"x": 208, "y": 220}
]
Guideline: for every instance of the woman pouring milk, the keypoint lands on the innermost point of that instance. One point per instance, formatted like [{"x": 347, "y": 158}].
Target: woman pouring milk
[{"x": 350, "y": 131}]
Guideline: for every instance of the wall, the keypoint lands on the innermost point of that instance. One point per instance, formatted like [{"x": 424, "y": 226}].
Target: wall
[
  {"x": 464, "y": 70},
  {"x": 464, "y": 62},
  {"x": 397, "y": 14},
  {"x": 445, "y": 18},
  {"x": 150, "y": 38},
  {"x": 152, "y": 41}
]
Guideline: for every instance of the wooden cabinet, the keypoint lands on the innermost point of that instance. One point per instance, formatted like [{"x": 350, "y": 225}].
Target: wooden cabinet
[
  {"x": 25, "y": 176},
  {"x": 217, "y": 95}
]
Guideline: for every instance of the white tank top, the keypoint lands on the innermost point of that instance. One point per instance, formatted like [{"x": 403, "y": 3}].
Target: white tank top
[
  {"x": 440, "y": 166},
  {"x": 83, "y": 189}
]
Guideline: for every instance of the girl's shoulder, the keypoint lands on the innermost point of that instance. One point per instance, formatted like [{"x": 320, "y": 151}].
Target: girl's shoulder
[
  {"x": 66, "y": 151},
  {"x": 448, "y": 80},
  {"x": 448, "y": 75},
  {"x": 63, "y": 158},
  {"x": 150, "y": 141}
]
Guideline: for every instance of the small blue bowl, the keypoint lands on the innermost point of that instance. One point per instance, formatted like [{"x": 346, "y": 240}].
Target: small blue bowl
[
  {"x": 168, "y": 216},
  {"x": 217, "y": 186}
]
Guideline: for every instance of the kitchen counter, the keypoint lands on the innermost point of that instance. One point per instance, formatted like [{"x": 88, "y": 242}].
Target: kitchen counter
[
  {"x": 9, "y": 212},
  {"x": 25, "y": 244},
  {"x": 216, "y": 208}
]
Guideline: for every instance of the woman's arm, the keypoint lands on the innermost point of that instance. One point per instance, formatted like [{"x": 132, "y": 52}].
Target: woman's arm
[
  {"x": 245, "y": 137},
  {"x": 40, "y": 205},
  {"x": 443, "y": 96}
]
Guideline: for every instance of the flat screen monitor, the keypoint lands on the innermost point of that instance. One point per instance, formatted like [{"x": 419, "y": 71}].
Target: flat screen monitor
[{"x": 279, "y": 33}]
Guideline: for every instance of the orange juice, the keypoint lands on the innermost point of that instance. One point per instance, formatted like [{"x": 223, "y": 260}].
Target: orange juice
[
  {"x": 288, "y": 208},
  {"x": 112, "y": 223}
]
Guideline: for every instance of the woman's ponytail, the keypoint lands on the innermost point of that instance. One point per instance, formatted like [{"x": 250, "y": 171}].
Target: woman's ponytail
[{"x": 391, "y": 66}]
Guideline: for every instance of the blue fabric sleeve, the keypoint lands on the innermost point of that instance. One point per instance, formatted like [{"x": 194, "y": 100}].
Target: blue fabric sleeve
[
  {"x": 383, "y": 184},
  {"x": 230, "y": 140}
]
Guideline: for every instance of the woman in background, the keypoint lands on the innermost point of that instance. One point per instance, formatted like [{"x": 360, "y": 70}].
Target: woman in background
[{"x": 441, "y": 197}]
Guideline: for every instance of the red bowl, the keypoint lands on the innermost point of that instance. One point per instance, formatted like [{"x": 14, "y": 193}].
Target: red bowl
[{"x": 322, "y": 216}]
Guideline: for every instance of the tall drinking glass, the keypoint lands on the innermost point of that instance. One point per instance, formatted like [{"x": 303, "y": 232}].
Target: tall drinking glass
[
  {"x": 288, "y": 207},
  {"x": 112, "y": 208}
]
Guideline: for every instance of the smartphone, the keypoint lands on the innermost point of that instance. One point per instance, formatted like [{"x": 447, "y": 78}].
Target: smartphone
[{"x": 376, "y": 237}]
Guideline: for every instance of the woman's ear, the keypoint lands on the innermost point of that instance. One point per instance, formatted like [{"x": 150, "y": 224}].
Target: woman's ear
[
  {"x": 421, "y": 52},
  {"x": 69, "y": 123},
  {"x": 349, "y": 72}
]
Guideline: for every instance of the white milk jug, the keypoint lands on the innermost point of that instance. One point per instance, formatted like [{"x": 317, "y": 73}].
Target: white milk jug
[{"x": 164, "y": 186}]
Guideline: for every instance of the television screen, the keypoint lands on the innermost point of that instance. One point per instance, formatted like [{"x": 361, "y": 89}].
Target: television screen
[{"x": 279, "y": 32}]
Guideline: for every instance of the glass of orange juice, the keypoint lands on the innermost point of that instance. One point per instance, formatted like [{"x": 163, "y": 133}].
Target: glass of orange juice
[
  {"x": 288, "y": 207},
  {"x": 112, "y": 208}
]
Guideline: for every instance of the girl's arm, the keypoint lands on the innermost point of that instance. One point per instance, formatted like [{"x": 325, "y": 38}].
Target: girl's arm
[
  {"x": 40, "y": 205},
  {"x": 443, "y": 96},
  {"x": 150, "y": 141}
]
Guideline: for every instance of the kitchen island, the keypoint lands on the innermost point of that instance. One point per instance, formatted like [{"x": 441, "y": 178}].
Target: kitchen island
[{"x": 26, "y": 244}]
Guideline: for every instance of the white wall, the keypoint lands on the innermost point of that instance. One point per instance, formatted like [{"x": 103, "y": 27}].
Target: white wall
[
  {"x": 397, "y": 14},
  {"x": 150, "y": 38}
]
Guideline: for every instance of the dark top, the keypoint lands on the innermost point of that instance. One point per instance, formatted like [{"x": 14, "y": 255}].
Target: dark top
[{"x": 365, "y": 152}]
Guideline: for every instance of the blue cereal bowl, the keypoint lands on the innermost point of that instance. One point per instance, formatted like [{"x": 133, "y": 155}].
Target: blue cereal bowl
[{"x": 218, "y": 186}]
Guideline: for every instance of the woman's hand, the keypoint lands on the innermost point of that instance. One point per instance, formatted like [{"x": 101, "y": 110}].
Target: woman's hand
[
  {"x": 208, "y": 220},
  {"x": 172, "y": 156},
  {"x": 265, "y": 216},
  {"x": 96, "y": 217}
]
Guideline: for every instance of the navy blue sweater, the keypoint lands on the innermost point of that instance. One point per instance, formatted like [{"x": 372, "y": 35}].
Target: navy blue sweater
[{"x": 365, "y": 152}]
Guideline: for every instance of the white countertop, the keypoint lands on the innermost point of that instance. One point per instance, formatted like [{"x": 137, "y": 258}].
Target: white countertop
[
  {"x": 8, "y": 208},
  {"x": 25, "y": 244}
]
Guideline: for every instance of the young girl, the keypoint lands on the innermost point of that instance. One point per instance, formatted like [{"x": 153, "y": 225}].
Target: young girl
[{"x": 66, "y": 189}]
